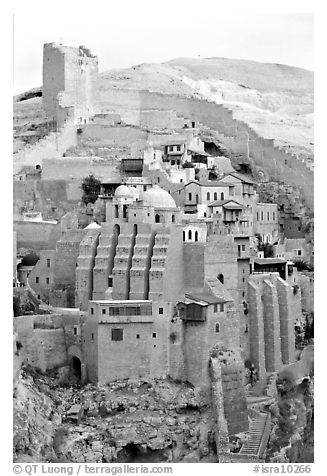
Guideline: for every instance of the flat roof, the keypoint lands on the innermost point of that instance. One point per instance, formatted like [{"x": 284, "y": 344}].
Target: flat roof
[{"x": 269, "y": 261}]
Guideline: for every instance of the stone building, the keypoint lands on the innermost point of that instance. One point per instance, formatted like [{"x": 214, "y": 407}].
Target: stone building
[{"x": 152, "y": 297}]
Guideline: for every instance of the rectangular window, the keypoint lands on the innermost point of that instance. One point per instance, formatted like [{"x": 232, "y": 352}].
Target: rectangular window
[
  {"x": 178, "y": 148},
  {"x": 92, "y": 310},
  {"x": 92, "y": 337},
  {"x": 109, "y": 281},
  {"x": 215, "y": 308},
  {"x": 154, "y": 335},
  {"x": 160, "y": 310},
  {"x": 274, "y": 216},
  {"x": 103, "y": 311},
  {"x": 221, "y": 307},
  {"x": 171, "y": 148},
  {"x": 47, "y": 280},
  {"x": 37, "y": 279},
  {"x": 117, "y": 334},
  {"x": 48, "y": 263},
  {"x": 75, "y": 331},
  {"x": 137, "y": 336},
  {"x": 243, "y": 247},
  {"x": 299, "y": 252},
  {"x": 261, "y": 216},
  {"x": 267, "y": 216}
]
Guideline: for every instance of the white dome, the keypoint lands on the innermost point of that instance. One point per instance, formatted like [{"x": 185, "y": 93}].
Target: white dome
[
  {"x": 123, "y": 192},
  {"x": 92, "y": 225},
  {"x": 158, "y": 198}
]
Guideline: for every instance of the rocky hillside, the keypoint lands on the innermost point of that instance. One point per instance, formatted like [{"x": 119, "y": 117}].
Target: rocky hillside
[
  {"x": 126, "y": 421},
  {"x": 276, "y": 100}
]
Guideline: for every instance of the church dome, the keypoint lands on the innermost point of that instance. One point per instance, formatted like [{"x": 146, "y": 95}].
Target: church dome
[
  {"x": 123, "y": 192},
  {"x": 156, "y": 197}
]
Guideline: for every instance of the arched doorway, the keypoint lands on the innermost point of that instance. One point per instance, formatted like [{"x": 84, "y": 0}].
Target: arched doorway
[{"x": 76, "y": 366}]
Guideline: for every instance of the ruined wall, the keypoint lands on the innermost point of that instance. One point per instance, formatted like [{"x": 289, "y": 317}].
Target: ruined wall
[
  {"x": 37, "y": 235},
  {"x": 47, "y": 338}
]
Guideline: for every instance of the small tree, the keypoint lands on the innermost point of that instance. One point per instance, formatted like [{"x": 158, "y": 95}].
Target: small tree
[{"x": 91, "y": 189}]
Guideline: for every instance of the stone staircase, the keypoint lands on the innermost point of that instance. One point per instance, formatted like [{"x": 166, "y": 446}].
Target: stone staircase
[{"x": 258, "y": 436}]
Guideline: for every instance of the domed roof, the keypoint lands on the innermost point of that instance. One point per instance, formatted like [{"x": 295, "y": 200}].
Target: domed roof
[
  {"x": 92, "y": 225},
  {"x": 30, "y": 260},
  {"x": 123, "y": 192},
  {"x": 158, "y": 198}
]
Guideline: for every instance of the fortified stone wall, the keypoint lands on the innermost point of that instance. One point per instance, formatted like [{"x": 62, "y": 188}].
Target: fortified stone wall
[
  {"x": 272, "y": 315},
  {"x": 280, "y": 165}
]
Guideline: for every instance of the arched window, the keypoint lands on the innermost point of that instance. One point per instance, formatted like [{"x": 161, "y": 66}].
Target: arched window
[
  {"x": 190, "y": 234},
  {"x": 215, "y": 197},
  {"x": 157, "y": 218},
  {"x": 183, "y": 235},
  {"x": 190, "y": 196},
  {"x": 217, "y": 327},
  {"x": 208, "y": 195},
  {"x": 173, "y": 218},
  {"x": 197, "y": 198},
  {"x": 196, "y": 236},
  {"x": 116, "y": 211},
  {"x": 222, "y": 196},
  {"x": 124, "y": 211},
  {"x": 220, "y": 278}
]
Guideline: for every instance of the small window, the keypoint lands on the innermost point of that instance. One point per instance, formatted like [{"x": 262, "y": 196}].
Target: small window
[
  {"x": 220, "y": 277},
  {"x": 267, "y": 216},
  {"x": 92, "y": 310},
  {"x": 190, "y": 234},
  {"x": 208, "y": 195},
  {"x": 190, "y": 196},
  {"x": 243, "y": 294},
  {"x": 75, "y": 331},
  {"x": 261, "y": 216},
  {"x": 92, "y": 337},
  {"x": 103, "y": 311},
  {"x": 137, "y": 336},
  {"x": 154, "y": 335},
  {"x": 215, "y": 196},
  {"x": 37, "y": 280},
  {"x": 243, "y": 279},
  {"x": 221, "y": 307},
  {"x": 274, "y": 216},
  {"x": 196, "y": 236},
  {"x": 183, "y": 235},
  {"x": 47, "y": 280},
  {"x": 217, "y": 327},
  {"x": 39, "y": 296},
  {"x": 257, "y": 216},
  {"x": 178, "y": 148},
  {"x": 116, "y": 334},
  {"x": 171, "y": 148},
  {"x": 215, "y": 308},
  {"x": 109, "y": 281},
  {"x": 48, "y": 263},
  {"x": 160, "y": 310}
]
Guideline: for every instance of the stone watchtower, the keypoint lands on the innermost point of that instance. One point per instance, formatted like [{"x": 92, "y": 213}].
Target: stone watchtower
[{"x": 69, "y": 83}]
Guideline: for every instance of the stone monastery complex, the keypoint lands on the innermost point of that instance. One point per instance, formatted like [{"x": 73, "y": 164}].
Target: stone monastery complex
[{"x": 167, "y": 273}]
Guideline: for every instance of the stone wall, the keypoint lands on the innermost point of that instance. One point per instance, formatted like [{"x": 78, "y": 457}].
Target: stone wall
[
  {"x": 37, "y": 235},
  {"x": 47, "y": 338}
]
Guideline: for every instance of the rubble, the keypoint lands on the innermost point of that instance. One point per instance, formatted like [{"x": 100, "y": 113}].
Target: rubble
[{"x": 124, "y": 421}]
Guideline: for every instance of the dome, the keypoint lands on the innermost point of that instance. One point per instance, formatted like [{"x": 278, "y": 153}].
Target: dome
[
  {"x": 92, "y": 225},
  {"x": 30, "y": 260},
  {"x": 134, "y": 192},
  {"x": 123, "y": 192},
  {"x": 158, "y": 198}
]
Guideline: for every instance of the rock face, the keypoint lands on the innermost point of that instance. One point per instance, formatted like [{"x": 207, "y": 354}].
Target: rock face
[
  {"x": 291, "y": 440},
  {"x": 126, "y": 421}
]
